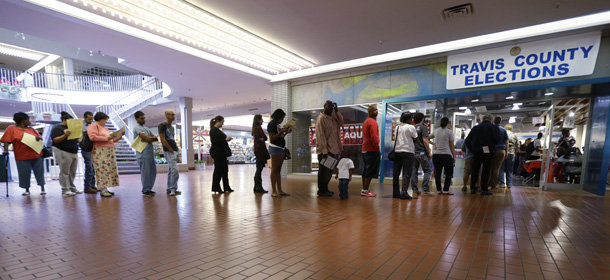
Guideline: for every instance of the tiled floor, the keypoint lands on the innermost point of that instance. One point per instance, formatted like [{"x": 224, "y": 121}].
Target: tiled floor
[{"x": 521, "y": 233}]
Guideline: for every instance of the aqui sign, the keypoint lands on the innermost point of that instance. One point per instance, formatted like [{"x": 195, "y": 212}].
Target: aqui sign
[{"x": 546, "y": 59}]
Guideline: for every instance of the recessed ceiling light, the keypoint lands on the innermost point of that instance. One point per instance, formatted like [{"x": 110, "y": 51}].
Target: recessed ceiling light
[
  {"x": 475, "y": 100},
  {"x": 463, "y": 108}
]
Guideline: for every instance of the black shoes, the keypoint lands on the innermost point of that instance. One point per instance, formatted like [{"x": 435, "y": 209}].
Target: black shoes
[
  {"x": 326, "y": 193},
  {"x": 405, "y": 196},
  {"x": 486, "y": 193},
  {"x": 217, "y": 191},
  {"x": 229, "y": 190},
  {"x": 149, "y": 193}
]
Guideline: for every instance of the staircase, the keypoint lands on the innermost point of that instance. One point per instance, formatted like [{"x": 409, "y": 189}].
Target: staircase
[{"x": 122, "y": 108}]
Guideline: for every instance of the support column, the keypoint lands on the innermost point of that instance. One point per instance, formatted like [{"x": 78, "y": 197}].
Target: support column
[
  {"x": 281, "y": 98},
  {"x": 69, "y": 71},
  {"x": 131, "y": 123},
  {"x": 186, "y": 118}
]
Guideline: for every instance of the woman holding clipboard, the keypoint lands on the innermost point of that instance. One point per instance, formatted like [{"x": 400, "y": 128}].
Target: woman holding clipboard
[
  {"x": 25, "y": 140},
  {"x": 104, "y": 158}
]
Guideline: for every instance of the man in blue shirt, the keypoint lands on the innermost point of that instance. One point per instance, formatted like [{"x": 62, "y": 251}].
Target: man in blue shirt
[
  {"x": 482, "y": 141},
  {"x": 146, "y": 158},
  {"x": 500, "y": 154}
]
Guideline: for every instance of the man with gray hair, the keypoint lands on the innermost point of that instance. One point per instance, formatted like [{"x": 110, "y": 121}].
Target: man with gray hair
[
  {"x": 170, "y": 151},
  {"x": 482, "y": 141}
]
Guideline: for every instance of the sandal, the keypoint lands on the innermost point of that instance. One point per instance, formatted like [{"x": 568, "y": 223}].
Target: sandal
[
  {"x": 284, "y": 194},
  {"x": 439, "y": 193},
  {"x": 276, "y": 195}
]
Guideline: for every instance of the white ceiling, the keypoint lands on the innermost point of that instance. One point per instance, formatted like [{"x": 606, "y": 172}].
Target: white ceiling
[{"x": 320, "y": 30}]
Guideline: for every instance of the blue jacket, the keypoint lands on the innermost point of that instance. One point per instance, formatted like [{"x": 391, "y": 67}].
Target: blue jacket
[
  {"x": 484, "y": 134},
  {"x": 503, "y": 137}
]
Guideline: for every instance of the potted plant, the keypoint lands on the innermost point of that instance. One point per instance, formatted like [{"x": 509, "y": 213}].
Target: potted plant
[
  {"x": 46, "y": 116},
  {"x": 32, "y": 116},
  {"x": 199, "y": 165}
]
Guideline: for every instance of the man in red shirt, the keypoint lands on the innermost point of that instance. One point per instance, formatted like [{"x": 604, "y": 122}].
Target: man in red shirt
[{"x": 370, "y": 151}]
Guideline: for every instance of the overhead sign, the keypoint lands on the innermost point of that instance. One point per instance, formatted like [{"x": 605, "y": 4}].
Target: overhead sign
[
  {"x": 546, "y": 59},
  {"x": 351, "y": 134}
]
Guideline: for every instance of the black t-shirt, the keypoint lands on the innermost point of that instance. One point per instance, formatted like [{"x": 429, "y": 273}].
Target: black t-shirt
[
  {"x": 70, "y": 146},
  {"x": 273, "y": 127},
  {"x": 168, "y": 129}
]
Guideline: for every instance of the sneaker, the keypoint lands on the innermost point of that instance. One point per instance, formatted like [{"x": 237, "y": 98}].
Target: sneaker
[
  {"x": 367, "y": 193},
  {"x": 95, "y": 189},
  {"x": 149, "y": 193},
  {"x": 77, "y": 191},
  {"x": 429, "y": 194},
  {"x": 105, "y": 194},
  {"x": 177, "y": 192},
  {"x": 25, "y": 193},
  {"x": 68, "y": 194},
  {"x": 43, "y": 193},
  {"x": 464, "y": 188},
  {"x": 172, "y": 193},
  {"x": 502, "y": 186}
]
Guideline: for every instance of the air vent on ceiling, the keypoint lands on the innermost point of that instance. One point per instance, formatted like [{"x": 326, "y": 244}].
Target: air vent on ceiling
[
  {"x": 458, "y": 11},
  {"x": 253, "y": 109}
]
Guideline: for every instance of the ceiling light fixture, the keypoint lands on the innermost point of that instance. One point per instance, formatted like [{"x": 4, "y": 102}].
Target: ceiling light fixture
[
  {"x": 572, "y": 114},
  {"x": 463, "y": 108},
  {"x": 467, "y": 111},
  {"x": 475, "y": 100},
  {"x": 510, "y": 97},
  {"x": 187, "y": 28},
  {"x": 549, "y": 93},
  {"x": 512, "y": 120},
  {"x": 21, "y": 52}
]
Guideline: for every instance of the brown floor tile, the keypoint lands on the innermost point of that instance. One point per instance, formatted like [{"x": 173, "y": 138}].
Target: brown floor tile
[{"x": 200, "y": 235}]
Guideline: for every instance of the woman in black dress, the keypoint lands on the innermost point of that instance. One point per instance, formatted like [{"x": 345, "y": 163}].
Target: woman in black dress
[{"x": 220, "y": 151}]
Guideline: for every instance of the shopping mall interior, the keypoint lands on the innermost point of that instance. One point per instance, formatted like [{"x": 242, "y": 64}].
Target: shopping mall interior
[{"x": 544, "y": 69}]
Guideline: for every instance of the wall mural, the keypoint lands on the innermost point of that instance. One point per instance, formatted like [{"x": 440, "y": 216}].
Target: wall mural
[{"x": 372, "y": 88}]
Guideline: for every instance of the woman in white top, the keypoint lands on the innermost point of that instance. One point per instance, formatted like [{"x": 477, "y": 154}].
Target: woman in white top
[
  {"x": 444, "y": 156},
  {"x": 404, "y": 156}
]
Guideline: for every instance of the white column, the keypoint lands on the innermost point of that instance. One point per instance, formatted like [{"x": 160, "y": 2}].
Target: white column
[
  {"x": 69, "y": 70},
  {"x": 131, "y": 123},
  {"x": 281, "y": 98},
  {"x": 186, "y": 118}
]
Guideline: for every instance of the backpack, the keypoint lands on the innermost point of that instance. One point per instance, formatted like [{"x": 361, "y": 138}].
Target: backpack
[
  {"x": 530, "y": 148},
  {"x": 563, "y": 148},
  {"x": 86, "y": 144}
]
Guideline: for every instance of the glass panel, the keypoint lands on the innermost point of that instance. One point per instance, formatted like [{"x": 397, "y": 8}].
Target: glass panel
[{"x": 548, "y": 148}]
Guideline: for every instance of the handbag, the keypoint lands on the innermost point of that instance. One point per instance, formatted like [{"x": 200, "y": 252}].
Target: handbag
[
  {"x": 261, "y": 150},
  {"x": 47, "y": 152},
  {"x": 228, "y": 153},
  {"x": 392, "y": 154},
  {"x": 287, "y": 154}
]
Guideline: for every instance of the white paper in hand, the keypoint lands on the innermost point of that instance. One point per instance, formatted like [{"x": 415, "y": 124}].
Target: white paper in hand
[{"x": 329, "y": 162}]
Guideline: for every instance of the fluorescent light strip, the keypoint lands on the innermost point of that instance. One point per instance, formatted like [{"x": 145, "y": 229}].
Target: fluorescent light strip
[
  {"x": 132, "y": 31},
  {"x": 185, "y": 23},
  {"x": 21, "y": 52},
  {"x": 168, "y": 26},
  {"x": 493, "y": 38}
]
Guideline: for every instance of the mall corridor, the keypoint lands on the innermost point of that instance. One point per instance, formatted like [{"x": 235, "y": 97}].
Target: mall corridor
[{"x": 518, "y": 233}]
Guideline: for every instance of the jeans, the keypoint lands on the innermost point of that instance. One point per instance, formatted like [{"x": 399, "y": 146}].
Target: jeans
[
  {"x": 258, "y": 178},
  {"x": 25, "y": 167},
  {"x": 424, "y": 161},
  {"x": 506, "y": 168},
  {"x": 404, "y": 162},
  {"x": 148, "y": 173},
  {"x": 343, "y": 186},
  {"x": 498, "y": 159},
  {"x": 324, "y": 175},
  {"x": 67, "y": 169},
  {"x": 479, "y": 159},
  {"x": 89, "y": 172},
  {"x": 443, "y": 162},
  {"x": 172, "y": 172}
]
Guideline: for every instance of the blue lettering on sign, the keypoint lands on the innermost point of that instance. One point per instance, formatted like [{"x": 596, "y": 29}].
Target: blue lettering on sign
[{"x": 531, "y": 66}]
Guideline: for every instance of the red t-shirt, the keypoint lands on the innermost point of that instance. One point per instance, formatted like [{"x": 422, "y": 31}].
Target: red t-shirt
[
  {"x": 370, "y": 135},
  {"x": 13, "y": 135}
]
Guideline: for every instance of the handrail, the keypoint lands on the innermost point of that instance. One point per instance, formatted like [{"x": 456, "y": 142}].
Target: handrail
[
  {"x": 72, "y": 82},
  {"x": 127, "y": 129},
  {"x": 41, "y": 104}
]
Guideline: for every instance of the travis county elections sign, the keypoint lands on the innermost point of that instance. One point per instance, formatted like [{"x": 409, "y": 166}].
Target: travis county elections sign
[
  {"x": 546, "y": 59},
  {"x": 351, "y": 134}
]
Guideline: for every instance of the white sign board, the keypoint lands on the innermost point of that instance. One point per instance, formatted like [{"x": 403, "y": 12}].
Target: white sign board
[{"x": 546, "y": 59}]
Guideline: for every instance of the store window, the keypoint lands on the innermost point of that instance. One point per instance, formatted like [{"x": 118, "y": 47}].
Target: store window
[{"x": 305, "y": 159}]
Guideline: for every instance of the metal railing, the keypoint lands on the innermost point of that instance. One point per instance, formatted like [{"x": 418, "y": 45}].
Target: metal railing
[
  {"x": 72, "y": 82},
  {"x": 50, "y": 103},
  {"x": 131, "y": 99}
]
